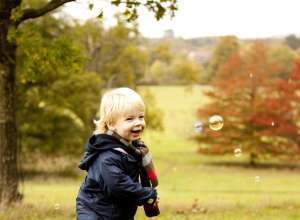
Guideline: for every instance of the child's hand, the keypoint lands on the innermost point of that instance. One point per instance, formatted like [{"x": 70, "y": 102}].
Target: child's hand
[
  {"x": 142, "y": 147},
  {"x": 151, "y": 208},
  {"x": 143, "y": 150}
]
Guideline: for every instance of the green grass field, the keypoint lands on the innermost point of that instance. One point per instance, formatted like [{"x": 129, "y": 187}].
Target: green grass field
[{"x": 190, "y": 188}]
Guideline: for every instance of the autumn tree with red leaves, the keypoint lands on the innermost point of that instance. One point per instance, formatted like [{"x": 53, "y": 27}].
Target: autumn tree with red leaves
[{"x": 260, "y": 111}]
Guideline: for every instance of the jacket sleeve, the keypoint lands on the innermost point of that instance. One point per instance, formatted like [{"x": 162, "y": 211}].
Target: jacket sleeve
[{"x": 120, "y": 186}]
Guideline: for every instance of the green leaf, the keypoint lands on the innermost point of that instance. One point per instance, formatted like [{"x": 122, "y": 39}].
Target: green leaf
[
  {"x": 160, "y": 11},
  {"x": 16, "y": 14},
  {"x": 100, "y": 15}
]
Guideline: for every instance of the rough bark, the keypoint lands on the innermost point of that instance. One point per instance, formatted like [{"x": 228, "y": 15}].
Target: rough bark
[
  {"x": 8, "y": 142},
  {"x": 8, "y": 132}
]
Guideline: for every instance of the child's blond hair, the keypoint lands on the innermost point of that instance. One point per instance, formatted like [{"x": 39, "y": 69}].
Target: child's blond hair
[{"x": 115, "y": 104}]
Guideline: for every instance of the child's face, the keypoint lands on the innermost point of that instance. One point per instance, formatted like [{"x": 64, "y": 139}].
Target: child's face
[{"x": 130, "y": 126}]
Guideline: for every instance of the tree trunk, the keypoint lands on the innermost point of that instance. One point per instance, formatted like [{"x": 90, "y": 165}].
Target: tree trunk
[
  {"x": 8, "y": 132},
  {"x": 253, "y": 158}
]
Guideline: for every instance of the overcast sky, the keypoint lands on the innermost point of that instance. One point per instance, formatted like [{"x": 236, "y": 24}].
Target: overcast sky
[{"x": 198, "y": 18}]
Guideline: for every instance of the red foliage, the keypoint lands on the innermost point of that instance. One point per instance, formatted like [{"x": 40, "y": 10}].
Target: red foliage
[
  {"x": 295, "y": 75},
  {"x": 259, "y": 109}
]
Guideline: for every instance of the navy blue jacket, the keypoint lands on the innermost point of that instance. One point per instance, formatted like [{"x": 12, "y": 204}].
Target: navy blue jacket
[{"x": 111, "y": 189}]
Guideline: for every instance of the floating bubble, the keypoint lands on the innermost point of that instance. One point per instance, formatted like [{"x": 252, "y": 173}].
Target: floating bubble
[
  {"x": 195, "y": 210},
  {"x": 237, "y": 152},
  {"x": 215, "y": 122},
  {"x": 41, "y": 104},
  {"x": 251, "y": 75},
  {"x": 273, "y": 123},
  {"x": 198, "y": 126},
  {"x": 257, "y": 179},
  {"x": 56, "y": 206}
]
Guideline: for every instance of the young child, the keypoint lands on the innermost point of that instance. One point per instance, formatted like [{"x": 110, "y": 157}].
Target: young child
[{"x": 111, "y": 189}]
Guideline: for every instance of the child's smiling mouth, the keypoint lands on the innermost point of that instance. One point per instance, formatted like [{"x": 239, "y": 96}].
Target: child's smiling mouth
[{"x": 136, "y": 132}]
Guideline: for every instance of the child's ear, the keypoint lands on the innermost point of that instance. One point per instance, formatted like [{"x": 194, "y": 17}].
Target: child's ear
[{"x": 110, "y": 126}]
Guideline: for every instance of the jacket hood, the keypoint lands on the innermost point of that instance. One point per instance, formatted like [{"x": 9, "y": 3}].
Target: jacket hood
[{"x": 96, "y": 144}]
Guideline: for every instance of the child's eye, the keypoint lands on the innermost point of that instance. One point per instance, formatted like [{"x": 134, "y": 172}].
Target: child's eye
[
  {"x": 129, "y": 119},
  {"x": 141, "y": 117}
]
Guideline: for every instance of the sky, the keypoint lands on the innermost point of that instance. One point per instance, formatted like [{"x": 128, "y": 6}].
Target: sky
[{"x": 201, "y": 18}]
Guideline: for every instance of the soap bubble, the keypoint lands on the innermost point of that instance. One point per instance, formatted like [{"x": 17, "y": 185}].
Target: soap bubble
[
  {"x": 215, "y": 122},
  {"x": 257, "y": 179},
  {"x": 56, "y": 206},
  {"x": 251, "y": 75},
  {"x": 41, "y": 104},
  {"x": 237, "y": 152},
  {"x": 198, "y": 126},
  {"x": 273, "y": 123}
]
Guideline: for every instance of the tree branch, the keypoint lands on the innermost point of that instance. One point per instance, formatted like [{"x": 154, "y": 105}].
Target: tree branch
[{"x": 31, "y": 13}]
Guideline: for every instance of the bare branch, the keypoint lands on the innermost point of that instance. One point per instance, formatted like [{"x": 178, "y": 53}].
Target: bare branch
[{"x": 31, "y": 13}]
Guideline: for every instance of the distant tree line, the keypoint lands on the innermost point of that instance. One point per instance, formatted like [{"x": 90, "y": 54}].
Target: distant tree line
[{"x": 62, "y": 70}]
